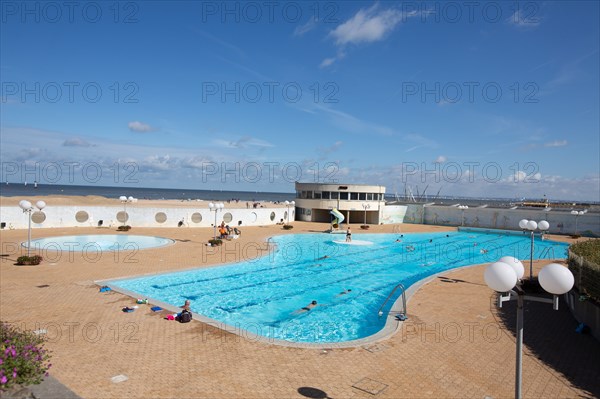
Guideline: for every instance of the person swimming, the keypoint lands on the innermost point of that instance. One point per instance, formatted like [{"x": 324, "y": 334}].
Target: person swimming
[
  {"x": 347, "y": 291},
  {"x": 307, "y": 308}
]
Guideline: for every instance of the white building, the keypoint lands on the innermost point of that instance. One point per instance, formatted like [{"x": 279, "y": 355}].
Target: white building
[{"x": 315, "y": 201}]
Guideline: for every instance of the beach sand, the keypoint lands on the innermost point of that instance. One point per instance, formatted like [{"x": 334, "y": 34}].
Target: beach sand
[
  {"x": 96, "y": 200},
  {"x": 93, "y": 340}
]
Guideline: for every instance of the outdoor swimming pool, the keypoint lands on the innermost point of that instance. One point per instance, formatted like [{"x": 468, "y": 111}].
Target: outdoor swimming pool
[
  {"x": 263, "y": 295},
  {"x": 98, "y": 242}
]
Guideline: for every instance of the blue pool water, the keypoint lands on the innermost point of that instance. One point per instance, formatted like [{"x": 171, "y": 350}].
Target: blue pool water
[
  {"x": 99, "y": 242},
  {"x": 262, "y": 295}
]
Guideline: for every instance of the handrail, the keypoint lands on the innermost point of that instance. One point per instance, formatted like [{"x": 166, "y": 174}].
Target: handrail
[
  {"x": 547, "y": 252},
  {"x": 402, "y": 315}
]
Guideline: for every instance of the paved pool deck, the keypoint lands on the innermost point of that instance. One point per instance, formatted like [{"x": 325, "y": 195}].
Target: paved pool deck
[{"x": 455, "y": 344}]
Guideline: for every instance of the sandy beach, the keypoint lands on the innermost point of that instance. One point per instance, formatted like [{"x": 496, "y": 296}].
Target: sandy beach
[
  {"x": 93, "y": 341},
  {"x": 97, "y": 200}
]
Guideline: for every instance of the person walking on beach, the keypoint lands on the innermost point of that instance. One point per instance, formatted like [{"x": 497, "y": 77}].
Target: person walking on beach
[{"x": 348, "y": 235}]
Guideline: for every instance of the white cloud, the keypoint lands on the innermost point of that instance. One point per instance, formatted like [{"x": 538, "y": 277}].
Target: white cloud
[
  {"x": 440, "y": 159},
  {"x": 367, "y": 26},
  {"x": 556, "y": 143},
  {"x": 76, "y": 142},
  {"x": 242, "y": 142},
  {"x": 140, "y": 127},
  {"x": 327, "y": 62},
  {"x": 307, "y": 27}
]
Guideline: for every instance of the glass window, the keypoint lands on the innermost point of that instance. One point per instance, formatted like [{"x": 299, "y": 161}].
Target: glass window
[
  {"x": 325, "y": 195},
  {"x": 309, "y": 194},
  {"x": 362, "y": 196},
  {"x": 369, "y": 196},
  {"x": 334, "y": 195},
  {"x": 317, "y": 195},
  {"x": 354, "y": 196},
  {"x": 343, "y": 196}
]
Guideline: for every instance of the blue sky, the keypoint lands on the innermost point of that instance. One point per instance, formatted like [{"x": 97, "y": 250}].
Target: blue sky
[{"x": 483, "y": 99}]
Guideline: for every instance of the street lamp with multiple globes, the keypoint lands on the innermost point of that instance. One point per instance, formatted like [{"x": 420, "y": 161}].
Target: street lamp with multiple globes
[
  {"x": 505, "y": 276},
  {"x": 577, "y": 214},
  {"x": 365, "y": 207},
  {"x": 28, "y": 208},
  {"x": 215, "y": 208},
  {"x": 124, "y": 200},
  {"x": 463, "y": 208},
  {"x": 288, "y": 204},
  {"x": 532, "y": 225}
]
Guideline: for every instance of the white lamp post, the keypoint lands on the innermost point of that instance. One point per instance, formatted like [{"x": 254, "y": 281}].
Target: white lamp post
[
  {"x": 532, "y": 226},
  {"x": 28, "y": 208},
  {"x": 365, "y": 207},
  {"x": 463, "y": 208},
  {"x": 505, "y": 276},
  {"x": 577, "y": 214},
  {"x": 124, "y": 200},
  {"x": 215, "y": 208},
  {"x": 288, "y": 204}
]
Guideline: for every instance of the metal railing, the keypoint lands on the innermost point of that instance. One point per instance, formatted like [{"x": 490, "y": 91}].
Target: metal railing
[{"x": 402, "y": 315}]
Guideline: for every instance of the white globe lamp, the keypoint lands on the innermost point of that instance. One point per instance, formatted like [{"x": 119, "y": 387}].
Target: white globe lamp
[
  {"x": 556, "y": 279},
  {"x": 515, "y": 263},
  {"x": 523, "y": 223},
  {"x": 500, "y": 277}
]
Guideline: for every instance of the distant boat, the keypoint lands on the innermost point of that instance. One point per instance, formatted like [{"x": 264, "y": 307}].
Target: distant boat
[
  {"x": 25, "y": 183},
  {"x": 34, "y": 184}
]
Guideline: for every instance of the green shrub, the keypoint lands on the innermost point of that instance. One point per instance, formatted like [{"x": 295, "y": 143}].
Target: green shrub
[
  {"x": 287, "y": 227},
  {"x": 124, "y": 228},
  {"x": 29, "y": 260},
  {"x": 589, "y": 249},
  {"x": 215, "y": 242},
  {"x": 23, "y": 358},
  {"x": 584, "y": 262}
]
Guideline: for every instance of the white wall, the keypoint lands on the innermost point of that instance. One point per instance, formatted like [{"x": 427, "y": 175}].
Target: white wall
[
  {"x": 561, "y": 222},
  {"x": 394, "y": 214},
  {"x": 64, "y": 216}
]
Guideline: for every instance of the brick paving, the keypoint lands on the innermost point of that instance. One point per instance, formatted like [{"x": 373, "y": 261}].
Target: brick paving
[{"x": 455, "y": 344}]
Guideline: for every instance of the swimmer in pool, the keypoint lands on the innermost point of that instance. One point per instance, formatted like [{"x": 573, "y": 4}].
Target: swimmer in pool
[
  {"x": 307, "y": 308},
  {"x": 344, "y": 292}
]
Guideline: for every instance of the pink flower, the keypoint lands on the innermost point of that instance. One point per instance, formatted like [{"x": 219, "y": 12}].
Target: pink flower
[
  {"x": 14, "y": 373},
  {"x": 3, "y": 380}
]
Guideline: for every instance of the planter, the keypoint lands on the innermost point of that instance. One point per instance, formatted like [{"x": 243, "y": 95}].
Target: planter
[
  {"x": 29, "y": 260},
  {"x": 123, "y": 228},
  {"x": 215, "y": 242},
  {"x": 365, "y": 227},
  {"x": 287, "y": 227}
]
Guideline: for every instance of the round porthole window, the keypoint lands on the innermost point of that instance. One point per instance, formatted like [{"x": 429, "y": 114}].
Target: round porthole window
[
  {"x": 122, "y": 216},
  {"x": 82, "y": 216},
  {"x": 272, "y": 216},
  {"x": 38, "y": 217},
  {"x": 227, "y": 218},
  {"x": 196, "y": 217},
  {"x": 160, "y": 217}
]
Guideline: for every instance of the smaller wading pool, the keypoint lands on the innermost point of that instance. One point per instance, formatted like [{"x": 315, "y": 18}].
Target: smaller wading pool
[{"x": 98, "y": 242}]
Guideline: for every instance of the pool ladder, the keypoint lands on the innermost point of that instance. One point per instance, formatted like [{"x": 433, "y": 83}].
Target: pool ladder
[
  {"x": 402, "y": 315},
  {"x": 547, "y": 252}
]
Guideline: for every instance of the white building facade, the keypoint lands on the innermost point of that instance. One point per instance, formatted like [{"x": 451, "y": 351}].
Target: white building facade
[{"x": 359, "y": 203}]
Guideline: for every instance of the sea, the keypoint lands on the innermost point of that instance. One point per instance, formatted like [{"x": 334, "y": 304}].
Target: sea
[{"x": 16, "y": 189}]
